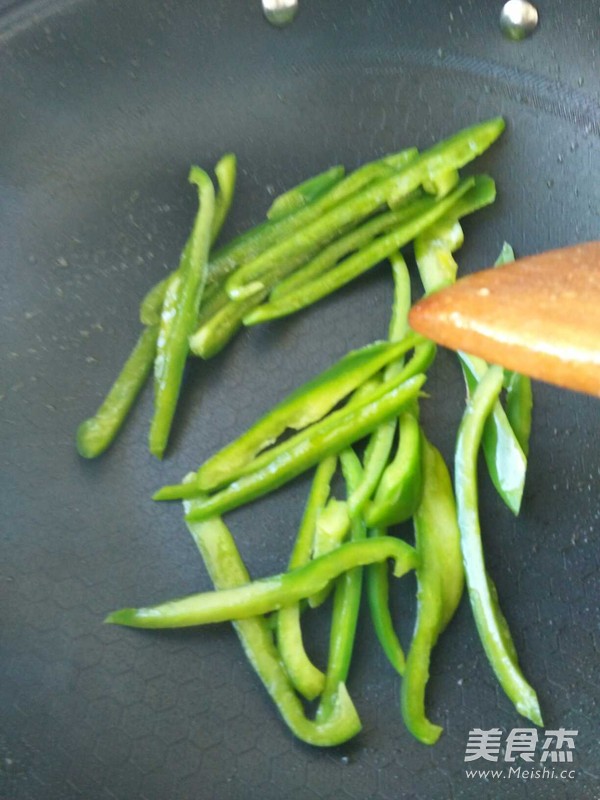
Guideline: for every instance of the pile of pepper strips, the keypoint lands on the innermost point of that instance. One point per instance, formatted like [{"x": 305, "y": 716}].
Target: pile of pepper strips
[{"x": 316, "y": 238}]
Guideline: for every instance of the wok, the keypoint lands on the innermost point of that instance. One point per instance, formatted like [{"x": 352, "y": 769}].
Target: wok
[{"x": 104, "y": 107}]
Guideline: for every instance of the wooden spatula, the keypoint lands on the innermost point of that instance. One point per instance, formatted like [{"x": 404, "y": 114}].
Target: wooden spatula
[{"x": 539, "y": 316}]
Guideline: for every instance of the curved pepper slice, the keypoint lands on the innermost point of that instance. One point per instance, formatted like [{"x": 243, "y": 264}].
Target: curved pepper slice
[
  {"x": 440, "y": 582},
  {"x": 307, "y": 191},
  {"x": 227, "y": 570},
  {"x": 399, "y": 491},
  {"x": 307, "y": 404},
  {"x": 169, "y": 366},
  {"x": 306, "y": 677},
  {"x": 95, "y": 434},
  {"x": 326, "y": 438},
  {"x": 268, "y": 594},
  {"x": 491, "y": 625}
]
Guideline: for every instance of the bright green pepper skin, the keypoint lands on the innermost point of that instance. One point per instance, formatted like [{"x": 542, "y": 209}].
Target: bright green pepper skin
[
  {"x": 97, "y": 433},
  {"x": 360, "y": 262},
  {"x": 519, "y": 395},
  {"x": 346, "y": 603},
  {"x": 255, "y": 243},
  {"x": 226, "y": 174},
  {"x": 305, "y": 676},
  {"x": 452, "y": 153},
  {"x": 440, "y": 582},
  {"x": 491, "y": 625},
  {"x": 268, "y": 594},
  {"x": 357, "y": 238},
  {"x": 301, "y": 452},
  {"x": 505, "y": 459},
  {"x": 168, "y": 369},
  {"x": 227, "y": 570},
  {"x": 307, "y": 404},
  {"x": 305, "y": 192},
  {"x": 399, "y": 492}
]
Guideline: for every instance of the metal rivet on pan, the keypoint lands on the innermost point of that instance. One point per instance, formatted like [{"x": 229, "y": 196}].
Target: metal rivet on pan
[
  {"x": 518, "y": 19},
  {"x": 280, "y": 12}
]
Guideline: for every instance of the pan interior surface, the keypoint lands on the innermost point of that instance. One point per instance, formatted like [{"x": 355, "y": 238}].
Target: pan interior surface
[{"x": 105, "y": 106}]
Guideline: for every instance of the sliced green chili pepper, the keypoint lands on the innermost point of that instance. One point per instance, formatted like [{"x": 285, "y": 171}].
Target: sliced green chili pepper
[
  {"x": 95, "y": 434},
  {"x": 326, "y": 438},
  {"x": 440, "y": 582},
  {"x": 377, "y": 585},
  {"x": 215, "y": 332},
  {"x": 267, "y": 594},
  {"x": 220, "y": 318},
  {"x": 434, "y": 247},
  {"x": 305, "y": 192},
  {"x": 226, "y": 174},
  {"x": 442, "y": 182},
  {"x": 350, "y": 242},
  {"x": 308, "y": 679},
  {"x": 168, "y": 369},
  {"x": 505, "y": 459},
  {"x": 380, "y": 445},
  {"x": 152, "y": 302},
  {"x": 258, "y": 240},
  {"x": 491, "y": 624},
  {"x": 346, "y": 603},
  {"x": 399, "y": 492},
  {"x": 519, "y": 404},
  {"x": 227, "y": 571},
  {"x": 333, "y": 524},
  {"x": 357, "y": 264},
  {"x": 507, "y": 254},
  {"x": 519, "y": 396},
  {"x": 307, "y": 404},
  {"x": 433, "y": 253},
  {"x": 450, "y": 154},
  {"x": 225, "y": 171}
]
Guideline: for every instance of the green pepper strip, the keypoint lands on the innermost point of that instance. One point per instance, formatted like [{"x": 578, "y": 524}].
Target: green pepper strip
[
  {"x": 357, "y": 238},
  {"x": 346, "y": 603},
  {"x": 377, "y": 585},
  {"x": 357, "y": 264},
  {"x": 95, "y": 434},
  {"x": 377, "y": 581},
  {"x": 519, "y": 403},
  {"x": 519, "y": 397},
  {"x": 221, "y": 318},
  {"x": 449, "y": 154},
  {"x": 326, "y": 438},
  {"x": 168, "y": 369},
  {"x": 333, "y": 524},
  {"x": 250, "y": 245},
  {"x": 442, "y": 182},
  {"x": 225, "y": 172},
  {"x": 152, "y": 302},
  {"x": 307, "y": 404},
  {"x": 227, "y": 571},
  {"x": 505, "y": 459},
  {"x": 305, "y": 192},
  {"x": 440, "y": 583},
  {"x": 380, "y": 444},
  {"x": 267, "y": 594},
  {"x": 301, "y": 441},
  {"x": 491, "y": 624},
  {"x": 399, "y": 491},
  {"x": 305, "y": 676}
]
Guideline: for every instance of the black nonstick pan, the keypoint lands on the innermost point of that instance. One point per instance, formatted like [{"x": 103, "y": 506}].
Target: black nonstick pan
[{"x": 103, "y": 107}]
